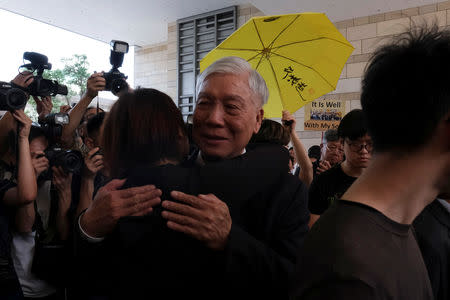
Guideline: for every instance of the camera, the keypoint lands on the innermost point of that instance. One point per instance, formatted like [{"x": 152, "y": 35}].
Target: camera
[
  {"x": 40, "y": 86},
  {"x": 11, "y": 98},
  {"x": 71, "y": 161},
  {"x": 52, "y": 125},
  {"x": 115, "y": 80}
]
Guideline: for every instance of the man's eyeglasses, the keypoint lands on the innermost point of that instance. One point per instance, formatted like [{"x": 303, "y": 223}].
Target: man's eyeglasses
[
  {"x": 335, "y": 148},
  {"x": 357, "y": 147}
]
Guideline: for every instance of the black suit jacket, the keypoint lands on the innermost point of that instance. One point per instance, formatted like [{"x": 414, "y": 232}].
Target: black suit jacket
[
  {"x": 268, "y": 207},
  {"x": 432, "y": 228}
]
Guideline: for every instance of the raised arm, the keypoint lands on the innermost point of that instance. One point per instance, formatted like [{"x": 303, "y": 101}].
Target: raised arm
[
  {"x": 95, "y": 84},
  {"x": 306, "y": 167}
]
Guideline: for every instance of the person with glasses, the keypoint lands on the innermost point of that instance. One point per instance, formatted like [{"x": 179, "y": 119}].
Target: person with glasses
[
  {"x": 365, "y": 246},
  {"x": 330, "y": 185},
  {"x": 332, "y": 152}
]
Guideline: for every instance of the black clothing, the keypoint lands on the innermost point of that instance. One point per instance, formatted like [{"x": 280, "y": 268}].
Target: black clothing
[
  {"x": 432, "y": 228},
  {"x": 269, "y": 222},
  {"x": 355, "y": 252},
  {"x": 9, "y": 283},
  {"x": 327, "y": 188}
]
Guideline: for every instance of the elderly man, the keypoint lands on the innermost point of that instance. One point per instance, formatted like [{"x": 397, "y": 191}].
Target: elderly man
[{"x": 255, "y": 241}]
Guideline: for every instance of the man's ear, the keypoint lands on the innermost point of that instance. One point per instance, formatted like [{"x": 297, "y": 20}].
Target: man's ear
[{"x": 259, "y": 118}]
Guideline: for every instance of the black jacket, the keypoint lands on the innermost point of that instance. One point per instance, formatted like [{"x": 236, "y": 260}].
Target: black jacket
[
  {"x": 432, "y": 228},
  {"x": 268, "y": 207}
]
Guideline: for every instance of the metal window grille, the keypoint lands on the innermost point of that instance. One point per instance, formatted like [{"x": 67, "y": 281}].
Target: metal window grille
[{"x": 197, "y": 35}]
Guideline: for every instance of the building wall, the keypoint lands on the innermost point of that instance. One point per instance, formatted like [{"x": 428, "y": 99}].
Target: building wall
[{"x": 155, "y": 65}]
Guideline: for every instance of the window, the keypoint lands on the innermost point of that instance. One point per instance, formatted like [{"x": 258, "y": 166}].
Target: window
[{"x": 197, "y": 36}]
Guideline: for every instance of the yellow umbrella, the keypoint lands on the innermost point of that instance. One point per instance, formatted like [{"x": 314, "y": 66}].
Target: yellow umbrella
[{"x": 300, "y": 56}]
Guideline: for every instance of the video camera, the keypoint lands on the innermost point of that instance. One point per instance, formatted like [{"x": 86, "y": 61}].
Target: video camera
[
  {"x": 52, "y": 125},
  {"x": 40, "y": 86},
  {"x": 115, "y": 80},
  {"x": 71, "y": 161},
  {"x": 11, "y": 98}
]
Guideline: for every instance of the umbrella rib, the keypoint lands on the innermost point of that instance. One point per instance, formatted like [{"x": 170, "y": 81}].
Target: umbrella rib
[
  {"x": 255, "y": 56},
  {"x": 305, "y": 67},
  {"x": 259, "y": 36},
  {"x": 281, "y": 32},
  {"x": 259, "y": 62},
  {"x": 312, "y": 40},
  {"x": 239, "y": 49}
]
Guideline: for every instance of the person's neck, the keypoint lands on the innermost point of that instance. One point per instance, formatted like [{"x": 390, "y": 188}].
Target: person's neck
[
  {"x": 398, "y": 187},
  {"x": 350, "y": 170}
]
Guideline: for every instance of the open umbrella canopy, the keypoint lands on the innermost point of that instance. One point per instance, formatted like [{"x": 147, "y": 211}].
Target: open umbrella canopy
[{"x": 300, "y": 56}]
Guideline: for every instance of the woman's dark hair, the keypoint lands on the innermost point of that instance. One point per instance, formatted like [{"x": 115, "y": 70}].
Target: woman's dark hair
[
  {"x": 35, "y": 132},
  {"x": 271, "y": 132},
  {"x": 143, "y": 127}
]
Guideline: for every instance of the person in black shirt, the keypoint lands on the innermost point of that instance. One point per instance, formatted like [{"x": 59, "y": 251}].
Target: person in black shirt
[
  {"x": 364, "y": 247},
  {"x": 332, "y": 184}
]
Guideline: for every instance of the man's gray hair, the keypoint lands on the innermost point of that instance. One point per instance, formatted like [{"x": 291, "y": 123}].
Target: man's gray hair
[
  {"x": 331, "y": 135},
  {"x": 236, "y": 66}
]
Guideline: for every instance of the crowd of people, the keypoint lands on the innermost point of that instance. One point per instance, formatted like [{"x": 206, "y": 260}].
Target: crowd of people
[{"x": 224, "y": 209}]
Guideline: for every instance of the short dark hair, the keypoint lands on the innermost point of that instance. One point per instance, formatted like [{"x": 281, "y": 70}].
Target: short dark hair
[
  {"x": 353, "y": 125},
  {"x": 331, "y": 135},
  {"x": 271, "y": 132},
  {"x": 143, "y": 127},
  {"x": 406, "y": 89},
  {"x": 94, "y": 124},
  {"x": 36, "y": 132},
  {"x": 314, "y": 152}
]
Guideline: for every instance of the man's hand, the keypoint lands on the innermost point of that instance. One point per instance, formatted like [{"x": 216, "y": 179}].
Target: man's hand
[
  {"x": 94, "y": 163},
  {"x": 289, "y": 118},
  {"x": 23, "y": 79},
  {"x": 24, "y": 122},
  {"x": 40, "y": 162},
  {"x": 63, "y": 184},
  {"x": 64, "y": 109},
  {"x": 110, "y": 204},
  {"x": 95, "y": 83},
  {"x": 205, "y": 218},
  {"x": 44, "y": 106},
  {"x": 323, "y": 166}
]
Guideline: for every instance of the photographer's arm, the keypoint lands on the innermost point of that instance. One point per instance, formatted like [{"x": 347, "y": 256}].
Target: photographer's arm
[
  {"x": 63, "y": 184},
  {"x": 306, "y": 167},
  {"x": 24, "y": 219},
  {"x": 26, "y": 190},
  {"x": 95, "y": 84},
  {"x": 7, "y": 124}
]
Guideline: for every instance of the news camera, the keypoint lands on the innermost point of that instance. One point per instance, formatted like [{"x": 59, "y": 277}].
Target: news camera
[
  {"x": 115, "y": 80},
  {"x": 40, "y": 86},
  {"x": 52, "y": 125}
]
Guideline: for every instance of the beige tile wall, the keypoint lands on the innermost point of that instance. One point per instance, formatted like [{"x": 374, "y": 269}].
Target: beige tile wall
[{"x": 155, "y": 65}]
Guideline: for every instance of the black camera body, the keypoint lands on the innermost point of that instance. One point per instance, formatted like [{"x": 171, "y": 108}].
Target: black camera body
[
  {"x": 70, "y": 160},
  {"x": 52, "y": 125},
  {"x": 40, "y": 86},
  {"x": 11, "y": 98},
  {"x": 115, "y": 80}
]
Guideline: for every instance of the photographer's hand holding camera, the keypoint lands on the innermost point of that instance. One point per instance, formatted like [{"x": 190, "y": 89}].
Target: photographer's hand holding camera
[
  {"x": 44, "y": 106},
  {"x": 95, "y": 83}
]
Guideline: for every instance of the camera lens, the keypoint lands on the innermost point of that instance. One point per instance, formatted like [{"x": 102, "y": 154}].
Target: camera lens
[
  {"x": 16, "y": 98},
  {"x": 118, "y": 85},
  {"x": 72, "y": 162}
]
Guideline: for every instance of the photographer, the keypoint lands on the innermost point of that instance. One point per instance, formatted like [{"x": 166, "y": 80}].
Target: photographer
[
  {"x": 43, "y": 222},
  {"x": 95, "y": 84},
  {"x": 21, "y": 192},
  {"x": 92, "y": 178}
]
